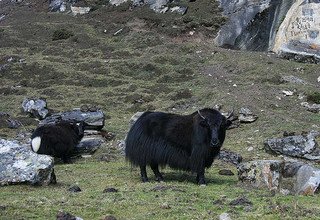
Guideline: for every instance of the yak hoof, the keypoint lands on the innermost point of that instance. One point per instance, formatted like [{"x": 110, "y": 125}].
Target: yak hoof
[
  {"x": 159, "y": 179},
  {"x": 145, "y": 180},
  {"x": 202, "y": 182}
]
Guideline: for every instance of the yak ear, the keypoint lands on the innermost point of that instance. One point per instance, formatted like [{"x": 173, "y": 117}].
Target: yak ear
[{"x": 228, "y": 123}]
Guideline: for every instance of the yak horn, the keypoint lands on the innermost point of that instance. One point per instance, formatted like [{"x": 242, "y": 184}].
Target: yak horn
[
  {"x": 231, "y": 113},
  {"x": 201, "y": 115}
]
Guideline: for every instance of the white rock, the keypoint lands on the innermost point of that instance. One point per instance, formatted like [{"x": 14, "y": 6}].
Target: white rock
[
  {"x": 287, "y": 93},
  {"x": 224, "y": 216}
]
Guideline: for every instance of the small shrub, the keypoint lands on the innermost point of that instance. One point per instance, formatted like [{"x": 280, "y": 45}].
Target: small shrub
[
  {"x": 61, "y": 34},
  {"x": 314, "y": 97}
]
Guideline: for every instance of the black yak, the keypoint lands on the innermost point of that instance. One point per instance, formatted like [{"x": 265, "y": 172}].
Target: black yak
[
  {"x": 189, "y": 142},
  {"x": 58, "y": 140}
]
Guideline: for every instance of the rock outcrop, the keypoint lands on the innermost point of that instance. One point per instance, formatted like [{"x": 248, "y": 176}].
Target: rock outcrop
[
  {"x": 286, "y": 176},
  {"x": 19, "y": 164},
  {"x": 288, "y": 27},
  {"x": 299, "y": 33}
]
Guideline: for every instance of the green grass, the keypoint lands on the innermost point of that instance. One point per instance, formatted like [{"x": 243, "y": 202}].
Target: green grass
[
  {"x": 168, "y": 70},
  {"x": 177, "y": 198}
]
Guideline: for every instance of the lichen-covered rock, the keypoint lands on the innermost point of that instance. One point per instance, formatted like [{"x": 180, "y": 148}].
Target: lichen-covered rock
[
  {"x": 261, "y": 173},
  {"x": 19, "y": 164},
  {"x": 295, "y": 146}
]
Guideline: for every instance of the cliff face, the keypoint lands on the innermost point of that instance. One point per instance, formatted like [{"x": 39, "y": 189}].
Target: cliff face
[{"x": 287, "y": 27}]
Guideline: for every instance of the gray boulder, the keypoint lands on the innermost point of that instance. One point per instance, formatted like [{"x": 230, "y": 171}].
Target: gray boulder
[
  {"x": 36, "y": 107},
  {"x": 307, "y": 180},
  {"x": 19, "y": 164},
  {"x": 94, "y": 119},
  {"x": 299, "y": 146}
]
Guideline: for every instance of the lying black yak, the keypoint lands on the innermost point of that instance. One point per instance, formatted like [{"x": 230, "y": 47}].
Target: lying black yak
[
  {"x": 58, "y": 140},
  {"x": 189, "y": 142}
]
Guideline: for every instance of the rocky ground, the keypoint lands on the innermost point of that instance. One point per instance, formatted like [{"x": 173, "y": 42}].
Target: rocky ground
[{"x": 125, "y": 60}]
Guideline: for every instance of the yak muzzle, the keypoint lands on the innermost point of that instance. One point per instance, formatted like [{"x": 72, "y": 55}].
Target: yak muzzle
[{"x": 214, "y": 142}]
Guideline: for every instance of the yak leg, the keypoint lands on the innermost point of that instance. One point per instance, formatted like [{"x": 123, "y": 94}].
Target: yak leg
[
  {"x": 143, "y": 172},
  {"x": 200, "y": 177},
  {"x": 156, "y": 172}
]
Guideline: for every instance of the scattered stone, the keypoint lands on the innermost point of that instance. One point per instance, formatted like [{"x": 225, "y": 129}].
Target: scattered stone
[
  {"x": 117, "y": 2},
  {"x": 315, "y": 108},
  {"x": 66, "y": 216},
  {"x": 165, "y": 206},
  {"x": 19, "y": 164},
  {"x": 301, "y": 146},
  {"x": 318, "y": 79},
  {"x": 57, "y": 6},
  {"x": 287, "y": 92},
  {"x": 292, "y": 79},
  {"x": 36, "y": 107},
  {"x": 74, "y": 189},
  {"x": 241, "y": 201},
  {"x": 250, "y": 149},
  {"x": 286, "y": 134},
  {"x": 80, "y": 10},
  {"x": 179, "y": 9},
  {"x": 110, "y": 190},
  {"x": 110, "y": 217},
  {"x": 2, "y": 17},
  {"x": 230, "y": 157},
  {"x": 225, "y": 172},
  {"x": 3, "y": 207},
  {"x": 7, "y": 122},
  {"x": 261, "y": 173},
  {"x": 224, "y": 216},
  {"x": 246, "y": 116}
]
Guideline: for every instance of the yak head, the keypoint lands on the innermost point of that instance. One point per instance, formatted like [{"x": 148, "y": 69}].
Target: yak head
[{"x": 211, "y": 127}]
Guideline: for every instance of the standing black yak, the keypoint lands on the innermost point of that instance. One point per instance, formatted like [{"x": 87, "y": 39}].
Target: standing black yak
[
  {"x": 58, "y": 140},
  {"x": 189, "y": 142}
]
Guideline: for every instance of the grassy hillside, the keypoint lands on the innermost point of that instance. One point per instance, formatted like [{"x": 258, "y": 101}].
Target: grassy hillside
[{"x": 153, "y": 63}]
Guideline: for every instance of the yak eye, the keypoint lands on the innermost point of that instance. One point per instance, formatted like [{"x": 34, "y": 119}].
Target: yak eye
[{"x": 204, "y": 123}]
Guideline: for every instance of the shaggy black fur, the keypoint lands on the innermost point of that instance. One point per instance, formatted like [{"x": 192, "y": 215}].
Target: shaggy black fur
[
  {"x": 59, "y": 140},
  {"x": 189, "y": 142}
]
